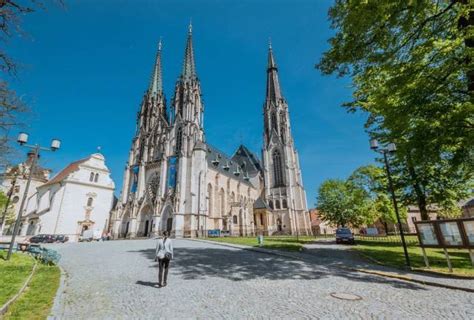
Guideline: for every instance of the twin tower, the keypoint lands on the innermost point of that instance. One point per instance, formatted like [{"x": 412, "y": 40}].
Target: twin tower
[{"x": 175, "y": 180}]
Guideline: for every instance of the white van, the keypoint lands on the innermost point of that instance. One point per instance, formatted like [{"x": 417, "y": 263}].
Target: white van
[{"x": 90, "y": 235}]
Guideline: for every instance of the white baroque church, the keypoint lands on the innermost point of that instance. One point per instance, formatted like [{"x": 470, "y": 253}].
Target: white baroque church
[{"x": 175, "y": 180}]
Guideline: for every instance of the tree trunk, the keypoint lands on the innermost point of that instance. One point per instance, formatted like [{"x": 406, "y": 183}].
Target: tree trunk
[
  {"x": 420, "y": 195},
  {"x": 464, "y": 23}
]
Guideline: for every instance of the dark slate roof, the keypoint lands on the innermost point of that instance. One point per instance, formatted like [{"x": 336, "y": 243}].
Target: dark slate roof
[
  {"x": 260, "y": 204},
  {"x": 246, "y": 159},
  {"x": 215, "y": 154}
]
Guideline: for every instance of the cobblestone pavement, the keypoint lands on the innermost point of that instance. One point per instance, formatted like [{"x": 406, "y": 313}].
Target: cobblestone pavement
[{"x": 116, "y": 280}]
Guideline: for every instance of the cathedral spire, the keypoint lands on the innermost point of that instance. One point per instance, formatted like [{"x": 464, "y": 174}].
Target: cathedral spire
[
  {"x": 189, "y": 68},
  {"x": 156, "y": 82},
  {"x": 273, "y": 84}
]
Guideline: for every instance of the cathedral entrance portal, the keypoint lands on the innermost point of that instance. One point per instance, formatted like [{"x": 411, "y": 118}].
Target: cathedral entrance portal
[
  {"x": 144, "y": 222},
  {"x": 166, "y": 219}
]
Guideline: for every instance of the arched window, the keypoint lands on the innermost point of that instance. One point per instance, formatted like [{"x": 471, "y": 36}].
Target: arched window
[
  {"x": 179, "y": 139},
  {"x": 277, "y": 204},
  {"x": 234, "y": 219},
  {"x": 222, "y": 203},
  {"x": 209, "y": 199},
  {"x": 270, "y": 204},
  {"x": 89, "y": 202},
  {"x": 91, "y": 178},
  {"x": 277, "y": 169},
  {"x": 96, "y": 177},
  {"x": 262, "y": 222},
  {"x": 285, "y": 204}
]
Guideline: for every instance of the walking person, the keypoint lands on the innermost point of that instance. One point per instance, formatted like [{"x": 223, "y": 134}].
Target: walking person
[{"x": 164, "y": 254}]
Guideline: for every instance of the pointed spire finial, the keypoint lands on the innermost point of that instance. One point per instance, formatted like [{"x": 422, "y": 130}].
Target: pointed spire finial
[
  {"x": 190, "y": 28},
  {"x": 189, "y": 69},
  {"x": 156, "y": 82},
  {"x": 273, "y": 84},
  {"x": 270, "y": 43}
]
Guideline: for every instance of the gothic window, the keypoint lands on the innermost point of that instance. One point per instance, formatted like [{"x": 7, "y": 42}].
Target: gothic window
[
  {"x": 234, "y": 219},
  {"x": 96, "y": 177},
  {"x": 261, "y": 219},
  {"x": 91, "y": 178},
  {"x": 274, "y": 121},
  {"x": 277, "y": 204},
  {"x": 282, "y": 126},
  {"x": 270, "y": 204},
  {"x": 222, "y": 203},
  {"x": 89, "y": 202},
  {"x": 209, "y": 199},
  {"x": 277, "y": 169},
  {"x": 179, "y": 139},
  {"x": 284, "y": 204}
]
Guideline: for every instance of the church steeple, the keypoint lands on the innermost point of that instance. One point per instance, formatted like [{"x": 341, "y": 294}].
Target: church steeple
[
  {"x": 156, "y": 82},
  {"x": 273, "y": 84},
  {"x": 189, "y": 68}
]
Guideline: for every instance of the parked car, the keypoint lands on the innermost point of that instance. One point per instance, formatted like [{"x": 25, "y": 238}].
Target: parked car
[
  {"x": 61, "y": 238},
  {"x": 344, "y": 235},
  {"x": 42, "y": 238}
]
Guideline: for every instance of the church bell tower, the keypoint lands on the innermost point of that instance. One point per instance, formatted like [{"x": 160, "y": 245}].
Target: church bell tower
[{"x": 284, "y": 191}]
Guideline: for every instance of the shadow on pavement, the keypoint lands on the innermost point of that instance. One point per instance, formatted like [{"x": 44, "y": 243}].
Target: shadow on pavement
[
  {"x": 147, "y": 283},
  {"x": 241, "y": 265}
]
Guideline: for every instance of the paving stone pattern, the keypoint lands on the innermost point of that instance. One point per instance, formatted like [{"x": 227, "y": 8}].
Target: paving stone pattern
[{"x": 117, "y": 280}]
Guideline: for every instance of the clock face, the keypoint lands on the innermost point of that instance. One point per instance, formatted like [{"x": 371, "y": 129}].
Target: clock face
[{"x": 153, "y": 186}]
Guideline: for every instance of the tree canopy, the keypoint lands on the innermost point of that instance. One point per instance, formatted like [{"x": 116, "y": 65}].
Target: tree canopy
[{"x": 412, "y": 70}]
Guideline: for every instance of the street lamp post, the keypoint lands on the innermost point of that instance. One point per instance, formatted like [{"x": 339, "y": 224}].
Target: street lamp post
[
  {"x": 390, "y": 149},
  {"x": 22, "y": 140}
]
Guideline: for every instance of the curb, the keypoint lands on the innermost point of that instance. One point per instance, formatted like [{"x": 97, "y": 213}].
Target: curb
[
  {"x": 377, "y": 273},
  {"x": 7, "y": 304},
  {"x": 55, "y": 309}
]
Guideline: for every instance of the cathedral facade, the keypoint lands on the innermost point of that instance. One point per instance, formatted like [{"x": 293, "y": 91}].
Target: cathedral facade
[{"x": 175, "y": 180}]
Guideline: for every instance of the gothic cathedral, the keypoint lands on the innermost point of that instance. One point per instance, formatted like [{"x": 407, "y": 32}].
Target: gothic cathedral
[{"x": 175, "y": 180}]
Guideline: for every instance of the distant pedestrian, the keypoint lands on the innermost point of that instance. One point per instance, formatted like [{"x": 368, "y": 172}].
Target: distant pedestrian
[{"x": 164, "y": 254}]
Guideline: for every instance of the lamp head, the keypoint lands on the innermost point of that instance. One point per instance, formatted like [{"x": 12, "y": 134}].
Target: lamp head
[
  {"x": 391, "y": 147},
  {"x": 374, "y": 144},
  {"x": 22, "y": 138},
  {"x": 55, "y": 144}
]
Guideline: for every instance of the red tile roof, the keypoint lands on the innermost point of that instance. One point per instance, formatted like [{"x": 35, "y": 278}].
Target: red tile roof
[{"x": 65, "y": 172}]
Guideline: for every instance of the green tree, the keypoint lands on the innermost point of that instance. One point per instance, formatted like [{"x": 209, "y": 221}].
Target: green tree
[
  {"x": 412, "y": 68},
  {"x": 373, "y": 180},
  {"x": 342, "y": 203}
]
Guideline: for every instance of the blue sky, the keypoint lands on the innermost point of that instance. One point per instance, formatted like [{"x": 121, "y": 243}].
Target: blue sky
[{"x": 85, "y": 68}]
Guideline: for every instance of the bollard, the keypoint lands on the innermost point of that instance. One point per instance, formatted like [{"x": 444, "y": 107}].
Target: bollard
[{"x": 260, "y": 240}]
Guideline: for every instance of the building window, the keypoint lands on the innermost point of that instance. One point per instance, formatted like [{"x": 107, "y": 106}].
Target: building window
[
  {"x": 234, "y": 219},
  {"x": 179, "y": 139},
  {"x": 277, "y": 169},
  {"x": 284, "y": 204},
  {"x": 209, "y": 199},
  {"x": 277, "y": 204},
  {"x": 413, "y": 219},
  {"x": 96, "y": 177},
  {"x": 91, "y": 178},
  {"x": 261, "y": 219},
  {"x": 270, "y": 204},
  {"x": 89, "y": 202}
]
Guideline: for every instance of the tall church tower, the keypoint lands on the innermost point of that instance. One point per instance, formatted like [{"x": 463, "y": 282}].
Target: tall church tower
[
  {"x": 284, "y": 191},
  {"x": 187, "y": 149},
  {"x": 144, "y": 176}
]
